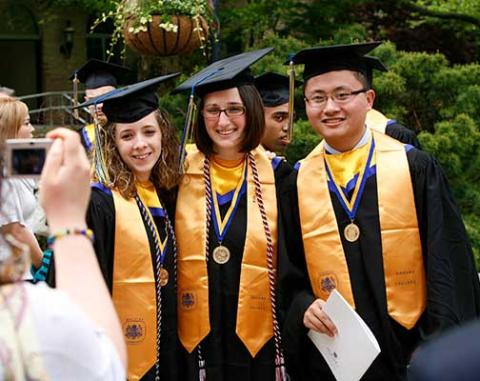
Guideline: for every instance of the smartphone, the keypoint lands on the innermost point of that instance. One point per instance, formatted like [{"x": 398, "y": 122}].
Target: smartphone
[{"x": 24, "y": 158}]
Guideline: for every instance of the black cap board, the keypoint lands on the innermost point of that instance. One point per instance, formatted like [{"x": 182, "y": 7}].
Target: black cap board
[
  {"x": 130, "y": 103},
  {"x": 224, "y": 74},
  {"x": 96, "y": 73},
  {"x": 273, "y": 88},
  {"x": 353, "y": 57}
]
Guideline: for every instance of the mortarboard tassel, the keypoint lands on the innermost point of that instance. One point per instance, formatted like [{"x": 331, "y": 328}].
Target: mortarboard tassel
[
  {"x": 291, "y": 99},
  {"x": 99, "y": 160},
  {"x": 280, "y": 370},
  {"x": 75, "y": 95},
  {"x": 187, "y": 130}
]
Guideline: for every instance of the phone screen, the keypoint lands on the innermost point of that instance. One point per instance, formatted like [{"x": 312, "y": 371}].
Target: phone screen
[{"x": 28, "y": 161}]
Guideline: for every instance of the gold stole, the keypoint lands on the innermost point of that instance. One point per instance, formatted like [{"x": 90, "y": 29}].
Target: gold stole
[
  {"x": 376, "y": 121},
  {"x": 89, "y": 130},
  {"x": 401, "y": 247},
  {"x": 133, "y": 290},
  {"x": 254, "y": 314}
]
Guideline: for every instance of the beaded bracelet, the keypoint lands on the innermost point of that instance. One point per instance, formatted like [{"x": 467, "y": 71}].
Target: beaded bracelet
[{"x": 63, "y": 233}]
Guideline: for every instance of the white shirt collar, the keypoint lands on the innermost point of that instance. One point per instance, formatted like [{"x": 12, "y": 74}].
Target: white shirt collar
[{"x": 364, "y": 140}]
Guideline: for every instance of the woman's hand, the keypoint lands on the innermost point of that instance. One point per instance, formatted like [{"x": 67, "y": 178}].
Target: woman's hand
[{"x": 65, "y": 181}]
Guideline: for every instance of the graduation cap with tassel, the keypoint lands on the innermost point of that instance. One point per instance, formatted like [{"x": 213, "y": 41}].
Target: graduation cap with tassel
[
  {"x": 323, "y": 59},
  {"x": 220, "y": 75},
  {"x": 275, "y": 90},
  {"x": 124, "y": 105}
]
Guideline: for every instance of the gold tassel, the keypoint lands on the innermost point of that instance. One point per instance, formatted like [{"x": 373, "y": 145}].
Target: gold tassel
[
  {"x": 99, "y": 154},
  {"x": 75, "y": 96},
  {"x": 188, "y": 130},
  {"x": 291, "y": 100}
]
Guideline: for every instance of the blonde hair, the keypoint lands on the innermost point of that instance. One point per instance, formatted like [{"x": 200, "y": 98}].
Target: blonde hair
[
  {"x": 12, "y": 115},
  {"x": 165, "y": 175}
]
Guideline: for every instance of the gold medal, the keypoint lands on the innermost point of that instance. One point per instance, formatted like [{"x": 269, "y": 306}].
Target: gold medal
[
  {"x": 221, "y": 255},
  {"x": 351, "y": 232},
  {"x": 163, "y": 277}
]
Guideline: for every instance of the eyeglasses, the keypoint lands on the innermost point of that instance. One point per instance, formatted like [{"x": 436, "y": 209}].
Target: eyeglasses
[
  {"x": 338, "y": 96},
  {"x": 230, "y": 111}
]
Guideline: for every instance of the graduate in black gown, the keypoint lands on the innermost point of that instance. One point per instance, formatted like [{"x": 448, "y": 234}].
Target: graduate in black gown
[
  {"x": 99, "y": 77},
  {"x": 228, "y": 233},
  {"x": 377, "y": 121},
  {"x": 374, "y": 219},
  {"x": 131, "y": 214},
  {"x": 274, "y": 91}
]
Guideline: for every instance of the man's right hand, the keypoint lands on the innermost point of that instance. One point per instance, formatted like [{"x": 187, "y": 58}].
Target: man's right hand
[{"x": 315, "y": 318}]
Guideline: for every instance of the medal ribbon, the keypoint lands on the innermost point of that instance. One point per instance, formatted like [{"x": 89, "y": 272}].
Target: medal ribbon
[
  {"x": 222, "y": 225},
  {"x": 144, "y": 195},
  {"x": 351, "y": 207}
]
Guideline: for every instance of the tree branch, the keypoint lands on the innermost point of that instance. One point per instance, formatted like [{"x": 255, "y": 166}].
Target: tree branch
[{"x": 442, "y": 15}]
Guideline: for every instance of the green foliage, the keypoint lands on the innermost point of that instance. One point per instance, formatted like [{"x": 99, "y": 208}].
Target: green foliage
[
  {"x": 467, "y": 7},
  {"x": 456, "y": 145},
  {"x": 305, "y": 139},
  {"x": 88, "y": 5}
]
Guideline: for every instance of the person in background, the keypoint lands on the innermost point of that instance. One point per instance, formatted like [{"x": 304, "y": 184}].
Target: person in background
[
  {"x": 372, "y": 218},
  {"x": 71, "y": 333},
  {"x": 130, "y": 213},
  {"x": 99, "y": 77},
  {"x": 18, "y": 202},
  {"x": 375, "y": 120},
  {"x": 452, "y": 356},
  {"x": 6, "y": 92},
  {"x": 273, "y": 88}
]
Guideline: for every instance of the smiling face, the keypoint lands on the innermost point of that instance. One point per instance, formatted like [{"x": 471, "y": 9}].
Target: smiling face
[
  {"x": 341, "y": 124},
  {"x": 139, "y": 145},
  {"x": 225, "y": 132},
  {"x": 276, "y": 126}
]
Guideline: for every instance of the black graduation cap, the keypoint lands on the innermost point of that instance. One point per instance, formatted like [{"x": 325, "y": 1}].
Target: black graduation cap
[
  {"x": 339, "y": 57},
  {"x": 224, "y": 74},
  {"x": 273, "y": 88},
  {"x": 130, "y": 103},
  {"x": 96, "y": 73}
]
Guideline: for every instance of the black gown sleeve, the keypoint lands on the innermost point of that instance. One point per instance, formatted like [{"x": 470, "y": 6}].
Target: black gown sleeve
[
  {"x": 402, "y": 134},
  {"x": 453, "y": 289},
  {"x": 101, "y": 219}
]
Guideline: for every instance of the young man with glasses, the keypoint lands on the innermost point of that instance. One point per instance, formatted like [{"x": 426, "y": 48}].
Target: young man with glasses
[{"x": 374, "y": 219}]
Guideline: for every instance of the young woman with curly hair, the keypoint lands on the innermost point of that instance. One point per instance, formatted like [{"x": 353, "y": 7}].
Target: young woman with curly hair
[{"x": 129, "y": 213}]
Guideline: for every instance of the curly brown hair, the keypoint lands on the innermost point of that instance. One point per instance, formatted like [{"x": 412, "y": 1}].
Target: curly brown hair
[{"x": 165, "y": 175}]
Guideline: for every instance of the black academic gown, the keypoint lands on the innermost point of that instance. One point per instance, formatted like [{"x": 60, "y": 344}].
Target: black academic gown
[
  {"x": 226, "y": 357},
  {"x": 453, "y": 292},
  {"x": 402, "y": 134},
  {"x": 101, "y": 219}
]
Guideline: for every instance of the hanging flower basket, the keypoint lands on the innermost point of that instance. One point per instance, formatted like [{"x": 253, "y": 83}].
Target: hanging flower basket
[{"x": 188, "y": 34}]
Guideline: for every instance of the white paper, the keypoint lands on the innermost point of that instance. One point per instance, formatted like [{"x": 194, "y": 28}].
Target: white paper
[{"x": 351, "y": 352}]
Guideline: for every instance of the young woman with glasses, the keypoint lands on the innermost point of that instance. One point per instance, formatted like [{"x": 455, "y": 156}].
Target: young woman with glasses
[{"x": 228, "y": 235}]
